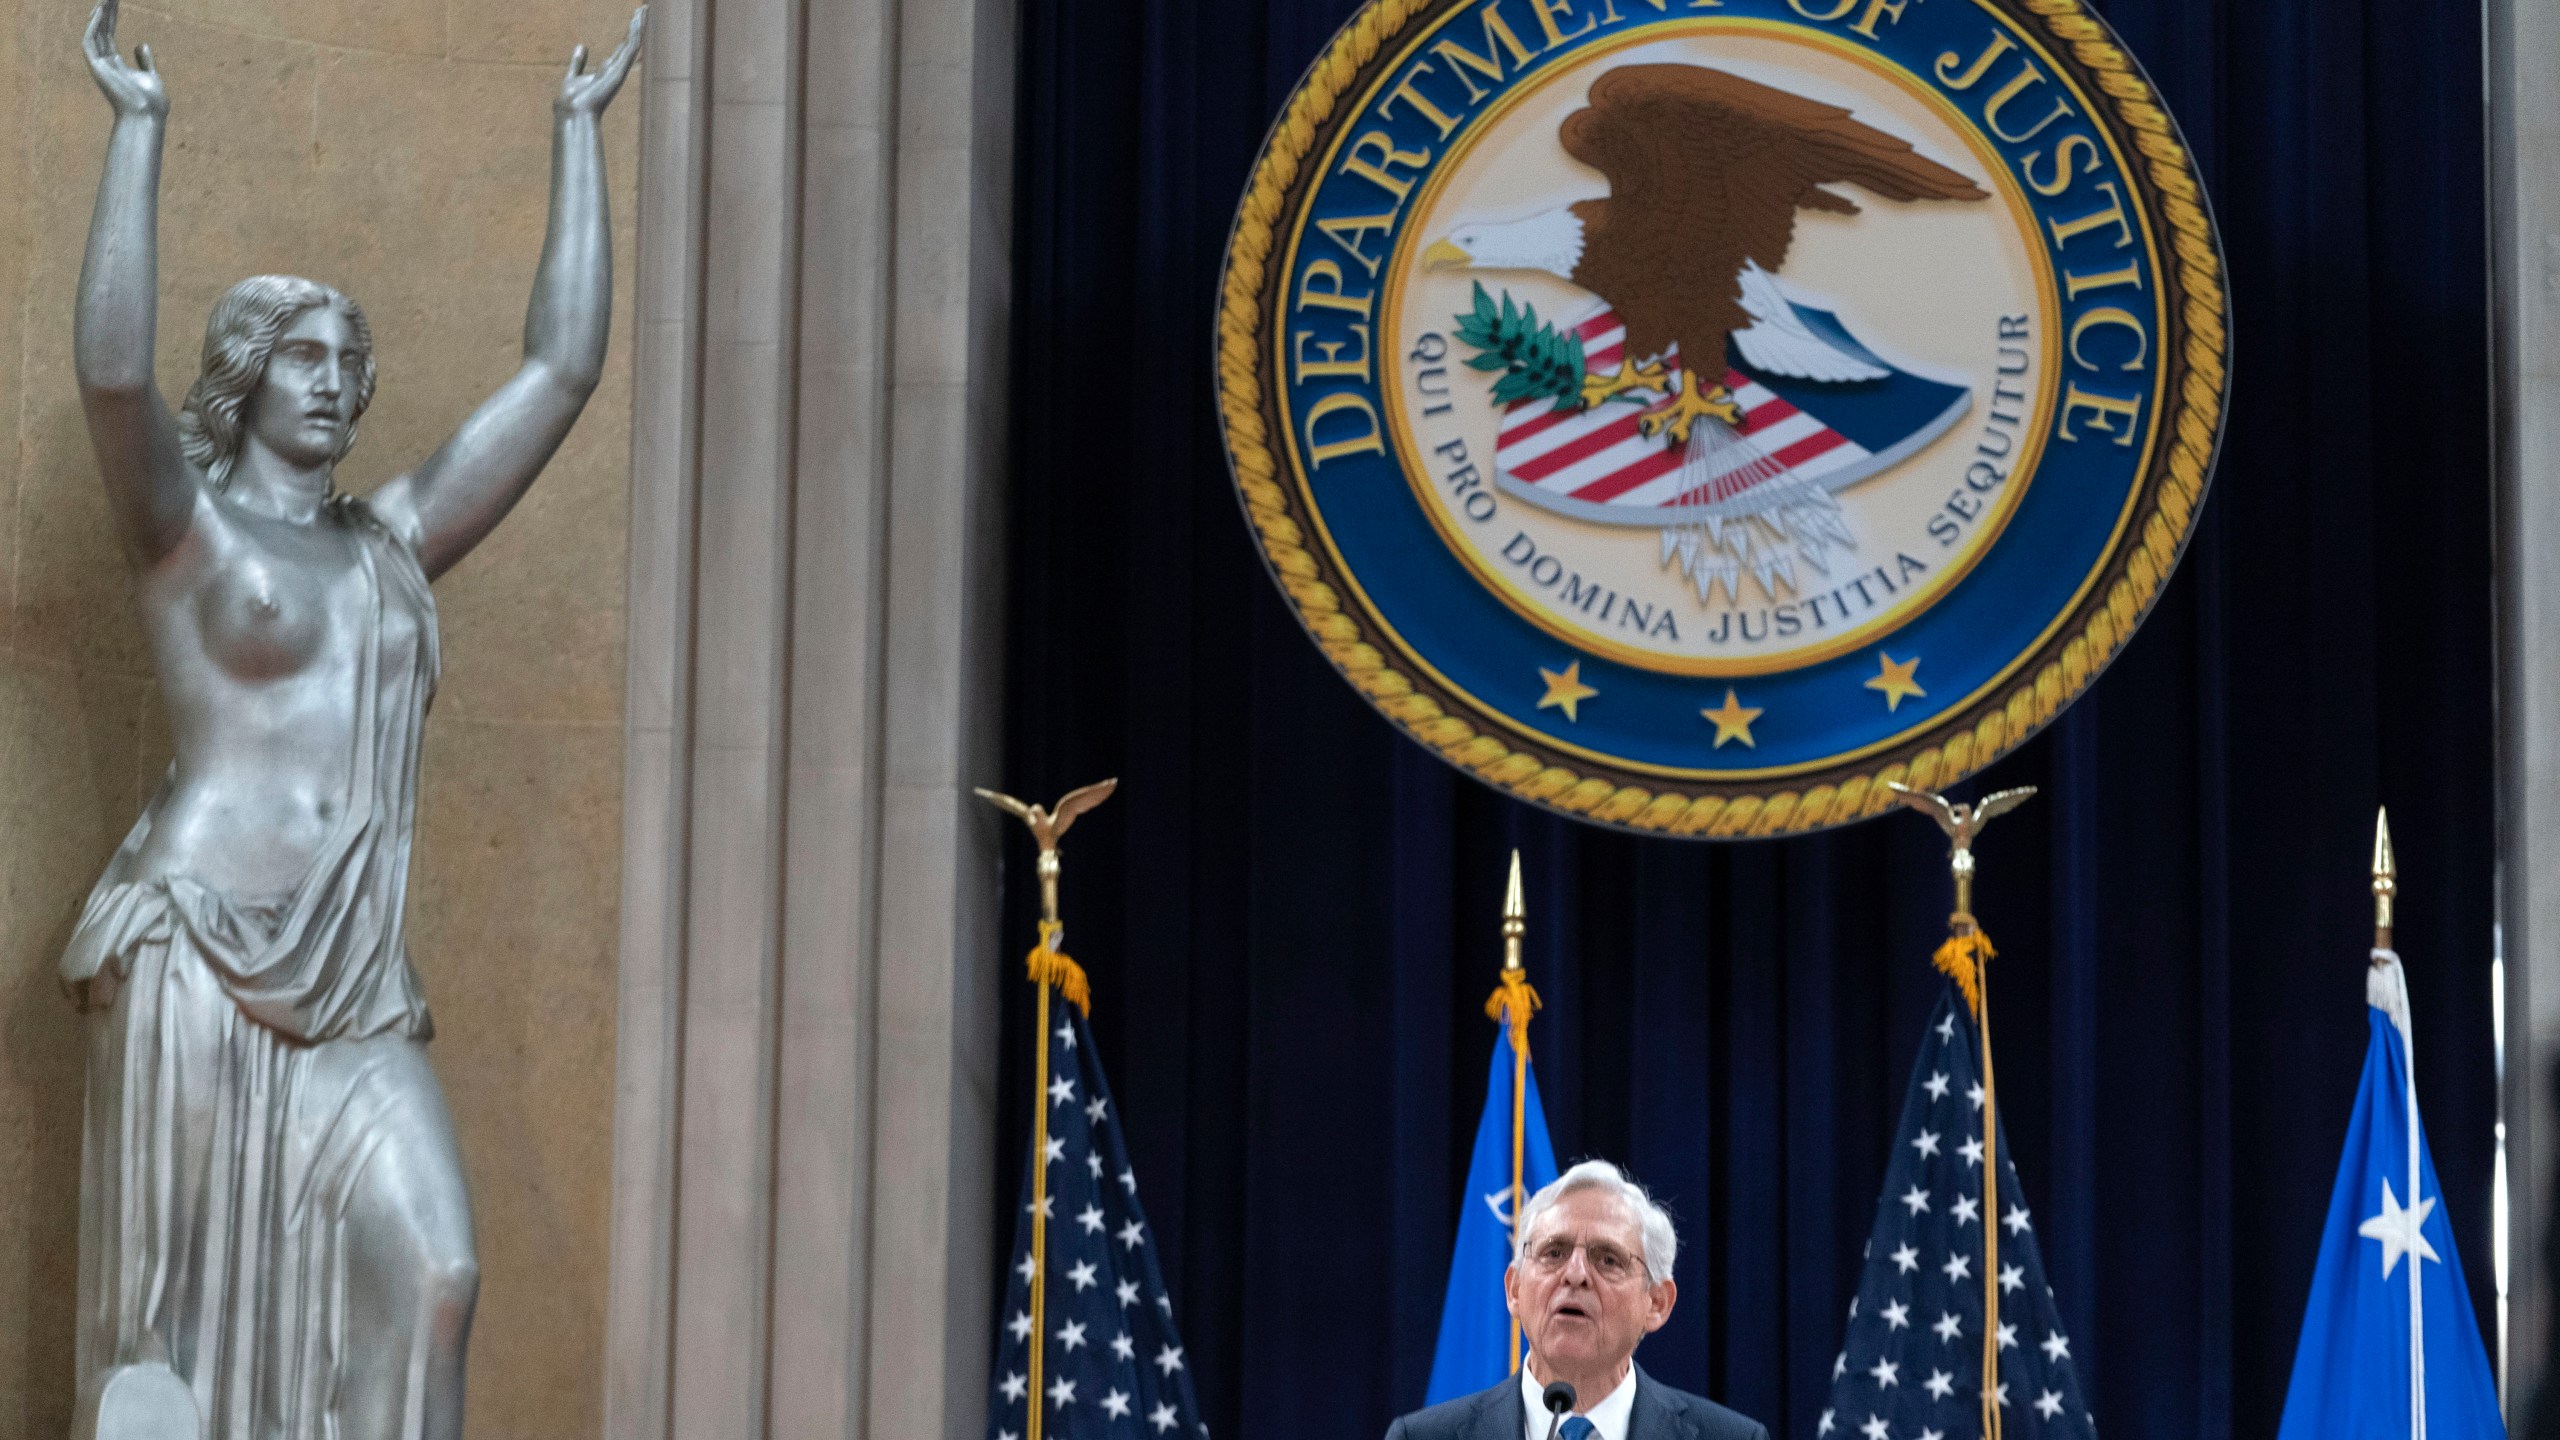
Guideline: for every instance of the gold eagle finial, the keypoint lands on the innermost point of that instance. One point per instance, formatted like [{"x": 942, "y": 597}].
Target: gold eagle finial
[{"x": 1048, "y": 827}]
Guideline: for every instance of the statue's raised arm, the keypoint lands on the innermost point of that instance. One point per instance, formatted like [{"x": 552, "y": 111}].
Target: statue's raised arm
[
  {"x": 450, "y": 503},
  {"x": 149, "y": 480}
]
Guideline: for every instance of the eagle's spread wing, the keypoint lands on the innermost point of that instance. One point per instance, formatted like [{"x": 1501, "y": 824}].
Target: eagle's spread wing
[
  {"x": 1706, "y": 172},
  {"x": 1079, "y": 801},
  {"x": 1778, "y": 341}
]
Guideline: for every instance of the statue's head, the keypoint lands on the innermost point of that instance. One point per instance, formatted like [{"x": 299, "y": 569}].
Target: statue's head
[{"x": 243, "y": 389}]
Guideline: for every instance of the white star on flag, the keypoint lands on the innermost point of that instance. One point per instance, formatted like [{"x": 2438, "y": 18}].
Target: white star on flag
[
  {"x": 2056, "y": 1345},
  {"x": 1132, "y": 1233},
  {"x": 1082, "y": 1274},
  {"x": 1163, "y": 1418},
  {"x": 1067, "y": 1033},
  {"x": 1941, "y": 1384},
  {"x": 1090, "y": 1217},
  {"x": 1063, "y": 1393},
  {"x": 1116, "y": 1405},
  {"x": 1014, "y": 1386},
  {"x": 1169, "y": 1359},
  {"x": 1971, "y": 1150},
  {"x": 1053, "y": 1151},
  {"x": 2049, "y": 1404},
  {"x": 1967, "y": 1210},
  {"x": 1926, "y": 1142},
  {"x": 1127, "y": 1290},
  {"x": 1958, "y": 1266},
  {"x": 2399, "y": 1230},
  {"x": 1096, "y": 1108},
  {"x": 1061, "y": 1090},
  {"x": 1886, "y": 1373},
  {"x": 2016, "y": 1220},
  {"x": 2012, "y": 1277},
  {"x": 1948, "y": 1326},
  {"x": 1875, "y": 1428},
  {"x": 1936, "y": 1085},
  {"x": 1906, "y": 1259},
  {"x": 1917, "y": 1199},
  {"x": 1122, "y": 1347},
  {"x": 1897, "y": 1316},
  {"x": 1020, "y": 1325},
  {"x": 1071, "y": 1335}
]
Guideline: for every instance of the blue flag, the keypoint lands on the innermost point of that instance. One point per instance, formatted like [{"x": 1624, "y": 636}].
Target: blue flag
[
  {"x": 1111, "y": 1365},
  {"x": 1475, "y": 1324},
  {"x": 2387, "y": 1271},
  {"x": 1911, "y": 1365}
]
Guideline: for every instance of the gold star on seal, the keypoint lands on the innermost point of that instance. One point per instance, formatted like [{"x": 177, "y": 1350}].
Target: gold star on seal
[
  {"x": 1894, "y": 679},
  {"x": 1565, "y": 690},
  {"x": 1733, "y": 720}
]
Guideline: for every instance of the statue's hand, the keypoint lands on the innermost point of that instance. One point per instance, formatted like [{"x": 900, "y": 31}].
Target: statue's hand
[
  {"x": 133, "y": 89},
  {"x": 585, "y": 94}
]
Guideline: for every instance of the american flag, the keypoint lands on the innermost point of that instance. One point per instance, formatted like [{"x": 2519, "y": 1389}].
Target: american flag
[
  {"x": 1912, "y": 1365},
  {"x": 1111, "y": 1363}
]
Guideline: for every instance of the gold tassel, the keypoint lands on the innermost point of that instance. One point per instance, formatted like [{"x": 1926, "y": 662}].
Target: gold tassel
[
  {"x": 1049, "y": 967},
  {"x": 1961, "y": 958},
  {"x": 1513, "y": 1002}
]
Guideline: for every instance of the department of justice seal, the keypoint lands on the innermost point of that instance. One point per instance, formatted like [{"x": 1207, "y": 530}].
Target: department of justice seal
[{"x": 1693, "y": 414}]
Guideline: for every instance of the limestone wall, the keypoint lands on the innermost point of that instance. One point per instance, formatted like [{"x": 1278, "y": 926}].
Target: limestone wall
[{"x": 399, "y": 150}]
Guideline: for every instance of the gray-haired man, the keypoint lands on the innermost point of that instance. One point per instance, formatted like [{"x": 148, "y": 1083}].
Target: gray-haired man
[{"x": 1590, "y": 1279}]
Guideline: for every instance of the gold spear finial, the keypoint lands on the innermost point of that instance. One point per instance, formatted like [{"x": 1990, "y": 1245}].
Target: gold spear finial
[
  {"x": 2386, "y": 878},
  {"x": 1515, "y": 919},
  {"x": 1048, "y": 827}
]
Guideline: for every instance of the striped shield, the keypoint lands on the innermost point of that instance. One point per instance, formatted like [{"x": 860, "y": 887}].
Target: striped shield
[{"x": 1749, "y": 499}]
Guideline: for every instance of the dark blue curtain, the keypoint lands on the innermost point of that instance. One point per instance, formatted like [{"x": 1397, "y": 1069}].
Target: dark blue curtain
[{"x": 1290, "y": 912}]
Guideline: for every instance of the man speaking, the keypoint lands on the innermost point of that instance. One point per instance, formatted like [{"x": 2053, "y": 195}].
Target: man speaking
[{"x": 1590, "y": 1277}]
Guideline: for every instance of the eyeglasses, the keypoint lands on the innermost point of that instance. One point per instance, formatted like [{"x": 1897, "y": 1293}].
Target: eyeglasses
[{"x": 1613, "y": 1265}]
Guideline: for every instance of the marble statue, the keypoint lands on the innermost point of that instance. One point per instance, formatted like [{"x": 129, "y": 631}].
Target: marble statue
[{"x": 275, "y": 1236}]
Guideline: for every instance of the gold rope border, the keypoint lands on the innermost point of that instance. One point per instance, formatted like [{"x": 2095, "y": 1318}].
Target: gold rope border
[{"x": 2141, "y": 571}]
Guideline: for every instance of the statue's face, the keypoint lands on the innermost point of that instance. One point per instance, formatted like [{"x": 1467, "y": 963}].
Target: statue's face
[{"x": 306, "y": 403}]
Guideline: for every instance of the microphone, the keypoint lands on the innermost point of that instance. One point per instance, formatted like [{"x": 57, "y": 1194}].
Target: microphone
[{"x": 1559, "y": 1402}]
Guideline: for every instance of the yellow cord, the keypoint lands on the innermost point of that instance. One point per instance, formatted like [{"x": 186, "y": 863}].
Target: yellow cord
[
  {"x": 1965, "y": 959},
  {"x": 1511, "y": 1006}
]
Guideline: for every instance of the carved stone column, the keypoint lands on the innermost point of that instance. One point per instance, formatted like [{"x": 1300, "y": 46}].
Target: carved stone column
[
  {"x": 805, "y": 1112},
  {"x": 2524, "y": 197}
]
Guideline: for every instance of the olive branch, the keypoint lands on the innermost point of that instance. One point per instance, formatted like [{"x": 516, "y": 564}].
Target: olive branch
[{"x": 1538, "y": 359}]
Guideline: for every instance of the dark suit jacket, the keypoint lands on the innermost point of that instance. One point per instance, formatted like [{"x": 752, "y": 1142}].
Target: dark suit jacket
[{"x": 1661, "y": 1413}]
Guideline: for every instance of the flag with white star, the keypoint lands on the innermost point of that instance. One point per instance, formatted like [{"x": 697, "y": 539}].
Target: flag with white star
[
  {"x": 1911, "y": 1367},
  {"x": 1478, "y": 1346},
  {"x": 1111, "y": 1363},
  {"x": 2387, "y": 1271}
]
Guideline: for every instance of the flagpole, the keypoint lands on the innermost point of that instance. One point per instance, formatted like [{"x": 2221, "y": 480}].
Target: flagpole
[
  {"x": 1048, "y": 967},
  {"x": 1512, "y": 1004},
  {"x": 1966, "y": 957},
  {"x": 2386, "y": 890}
]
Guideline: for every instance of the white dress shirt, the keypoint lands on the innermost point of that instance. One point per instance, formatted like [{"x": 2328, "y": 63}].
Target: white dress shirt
[{"x": 1609, "y": 1418}]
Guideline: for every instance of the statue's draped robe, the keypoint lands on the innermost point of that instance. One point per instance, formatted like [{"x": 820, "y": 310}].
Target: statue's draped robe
[{"x": 233, "y": 1100}]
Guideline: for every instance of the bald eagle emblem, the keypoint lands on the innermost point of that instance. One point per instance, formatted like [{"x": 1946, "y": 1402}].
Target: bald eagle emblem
[{"x": 1696, "y": 394}]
